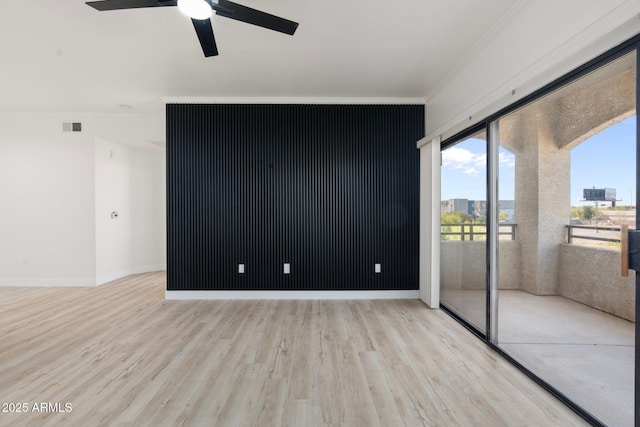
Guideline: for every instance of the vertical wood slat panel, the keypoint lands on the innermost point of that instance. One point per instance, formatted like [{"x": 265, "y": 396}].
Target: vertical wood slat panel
[{"x": 331, "y": 189}]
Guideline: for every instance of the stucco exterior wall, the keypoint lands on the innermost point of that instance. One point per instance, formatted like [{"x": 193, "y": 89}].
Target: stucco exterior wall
[
  {"x": 463, "y": 265},
  {"x": 588, "y": 275},
  {"x": 591, "y": 276}
]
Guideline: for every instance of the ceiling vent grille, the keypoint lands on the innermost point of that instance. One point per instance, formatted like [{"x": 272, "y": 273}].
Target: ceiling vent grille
[{"x": 72, "y": 127}]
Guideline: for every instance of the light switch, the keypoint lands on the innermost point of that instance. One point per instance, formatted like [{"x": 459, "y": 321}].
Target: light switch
[
  {"x": 287, "y": 268},
  {"x": 241, "y": 268},
  {"x": 378, "y": 268}
]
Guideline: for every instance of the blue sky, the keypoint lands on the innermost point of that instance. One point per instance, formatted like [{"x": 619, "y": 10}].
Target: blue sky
[{"x": 607, "y": 159}]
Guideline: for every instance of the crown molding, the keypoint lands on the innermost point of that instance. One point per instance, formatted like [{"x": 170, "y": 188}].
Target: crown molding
[{"x": 292, "y": 100}]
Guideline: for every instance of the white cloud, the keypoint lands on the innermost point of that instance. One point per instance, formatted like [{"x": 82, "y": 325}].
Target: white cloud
[
  {"x": 464, "y": 160},
  {"x": 470, "y": 163},
  {"x": 471, "y": 171},
  {"x": 455, "y": 155}
]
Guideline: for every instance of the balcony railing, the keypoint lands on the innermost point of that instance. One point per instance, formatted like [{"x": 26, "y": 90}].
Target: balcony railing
[
  {"x": 471, "y": 231},
  {"x": 590, "y": 232}
]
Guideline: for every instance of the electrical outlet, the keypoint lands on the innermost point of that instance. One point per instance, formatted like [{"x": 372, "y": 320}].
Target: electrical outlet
[
  {"x": 287, "y": 268},
  {"x": 377, "y": 268}
]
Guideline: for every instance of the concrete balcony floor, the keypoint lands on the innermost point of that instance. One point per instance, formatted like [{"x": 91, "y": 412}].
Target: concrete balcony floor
[{"x": 585, "y": 353}]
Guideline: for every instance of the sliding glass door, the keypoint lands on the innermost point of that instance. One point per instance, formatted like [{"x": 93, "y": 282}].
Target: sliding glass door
[{"x": 535, "y": 203}]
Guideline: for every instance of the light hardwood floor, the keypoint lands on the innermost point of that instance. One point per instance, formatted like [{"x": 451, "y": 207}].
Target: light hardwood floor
[{"x": 123, "y": 356}]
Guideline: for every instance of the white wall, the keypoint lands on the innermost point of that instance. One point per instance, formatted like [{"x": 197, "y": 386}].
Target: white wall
[
  {"x": 429, "y": 277},
  {"x": 57, "y": 190},
  {"x": 112, "y": 194},
  {"x": 129, "y": 181},
  {"x": 535, "y": 43},
  {"x": 46, "y": 203},
  {"x": 148, "y": 209}
]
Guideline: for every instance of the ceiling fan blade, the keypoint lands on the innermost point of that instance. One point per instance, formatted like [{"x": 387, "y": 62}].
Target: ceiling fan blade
[
  {"x": 129, "y": 4},
  {"x": 256, "y": 17},
  {"x": 204, "y": 30}
]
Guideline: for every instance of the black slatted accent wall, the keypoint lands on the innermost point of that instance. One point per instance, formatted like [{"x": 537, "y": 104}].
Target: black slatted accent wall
[{"x": 330, "y": 189}]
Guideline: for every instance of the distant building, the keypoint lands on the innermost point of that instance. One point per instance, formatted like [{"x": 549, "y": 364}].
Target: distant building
[
  {"x": 477, "y": 208},
  {"x": 454, "y": 205}
]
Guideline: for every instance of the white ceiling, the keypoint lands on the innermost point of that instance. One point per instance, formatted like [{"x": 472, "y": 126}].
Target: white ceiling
[{"x": 63, "y": 56}]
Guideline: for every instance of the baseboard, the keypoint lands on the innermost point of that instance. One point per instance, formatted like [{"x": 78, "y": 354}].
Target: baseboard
[
  {"x": 78, "y": 282},
  {"x": 110, "y": 277},
  {"x": 291, "y": 295},
  {"x": 40, "y": 283}
]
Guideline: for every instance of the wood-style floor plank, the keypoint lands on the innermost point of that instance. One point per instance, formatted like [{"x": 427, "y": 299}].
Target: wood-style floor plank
[{"x": 123, "y": 356}]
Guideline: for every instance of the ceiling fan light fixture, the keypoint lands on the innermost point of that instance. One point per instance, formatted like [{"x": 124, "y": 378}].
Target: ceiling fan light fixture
[{"x": 195, "y": 9}]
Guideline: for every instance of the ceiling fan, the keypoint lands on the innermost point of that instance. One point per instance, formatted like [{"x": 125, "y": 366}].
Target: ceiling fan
[{"x": 200, "y": 13}]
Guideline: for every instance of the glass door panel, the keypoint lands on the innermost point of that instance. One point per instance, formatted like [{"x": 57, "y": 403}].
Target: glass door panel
[
  {"x": 567, "y": 183},
  {"x": 463, "y": 211}
]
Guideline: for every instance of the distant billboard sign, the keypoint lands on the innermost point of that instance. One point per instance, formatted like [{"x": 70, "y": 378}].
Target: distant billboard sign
[{"x": 599, "y": 194}]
